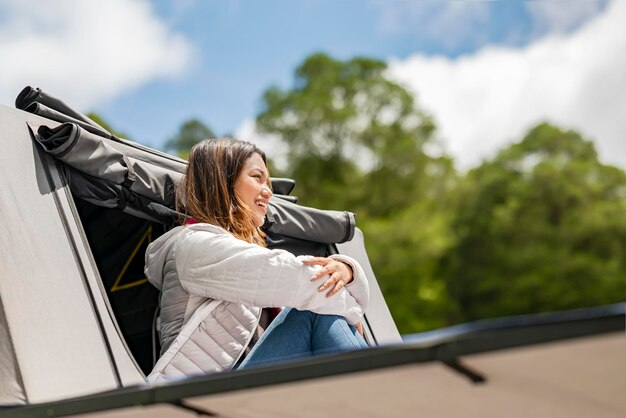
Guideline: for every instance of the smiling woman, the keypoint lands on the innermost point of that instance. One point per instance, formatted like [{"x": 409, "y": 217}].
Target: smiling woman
[
  {"x": 252, "y": 187},
  {"x": 221, "y": 187},
  {"x": 217, "y": 278}
]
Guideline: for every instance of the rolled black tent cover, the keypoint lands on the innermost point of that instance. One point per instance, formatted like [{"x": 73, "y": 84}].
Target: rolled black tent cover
[
  {"x": 112, "y": 172},
  {"x": 35, "y": 100},
  {"x": 133, "y": 179}
]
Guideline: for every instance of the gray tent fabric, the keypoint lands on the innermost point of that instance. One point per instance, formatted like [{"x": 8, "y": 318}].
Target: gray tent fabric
[
  {"x": 11, "y": 387},
  {"x": 98, "y": 157},
  {"x": 49, "y": 286},
  {"x": 88, "y": 154},
  {"x": 52, "y": 114},
  {"x": 107, "y": 194},
  {"x": 144, "y": 174},
  {"x": 324, "y": 226},
  {"x": 35, "y": 100},
  {"x": 283, "y": 186}
]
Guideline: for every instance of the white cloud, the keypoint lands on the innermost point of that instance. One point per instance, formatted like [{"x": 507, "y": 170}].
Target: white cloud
[
  {"x": 482, "y": 102},
  {"x": 85, "y": 52}
]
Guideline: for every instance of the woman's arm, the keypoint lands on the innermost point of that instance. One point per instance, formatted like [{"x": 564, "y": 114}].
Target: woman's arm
[{"x": 217, "y": 265}]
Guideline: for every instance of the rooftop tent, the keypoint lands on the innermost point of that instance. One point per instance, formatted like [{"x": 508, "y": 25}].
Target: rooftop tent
[{"x": 79, "y": 206}]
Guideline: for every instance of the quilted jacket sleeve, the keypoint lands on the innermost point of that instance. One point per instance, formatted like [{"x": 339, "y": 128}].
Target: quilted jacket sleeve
[{"x": 220, "y": 266}]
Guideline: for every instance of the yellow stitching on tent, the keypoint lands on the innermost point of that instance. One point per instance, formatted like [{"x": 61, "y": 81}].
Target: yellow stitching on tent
[{"x": 116, "y": 286}]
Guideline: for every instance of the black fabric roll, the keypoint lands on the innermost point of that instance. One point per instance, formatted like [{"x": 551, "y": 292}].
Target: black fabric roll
[
  {"x": 323, "y": 226},
  {"x": 107, "y": 194},
  {"x": 30, "y": 95},
  {"x": 49, "y": 113}
]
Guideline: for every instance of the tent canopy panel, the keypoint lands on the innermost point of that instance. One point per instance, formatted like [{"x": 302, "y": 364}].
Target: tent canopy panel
[
  {"x": 11, "y": 386},
  {"x": 378, "y": 317},
  {"x": 152, "y": 411},
  {"x": 578, "y": 378},
  {"x": 39, "y": 275}
]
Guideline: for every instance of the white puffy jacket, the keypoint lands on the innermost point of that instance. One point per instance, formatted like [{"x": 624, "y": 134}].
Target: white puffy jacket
[{"x": 213, "y": 288}]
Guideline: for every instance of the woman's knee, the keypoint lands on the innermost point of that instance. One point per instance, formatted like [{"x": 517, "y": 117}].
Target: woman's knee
[
  {"x": 328, "y": 320},
  {"x": 295, "y": 314}
]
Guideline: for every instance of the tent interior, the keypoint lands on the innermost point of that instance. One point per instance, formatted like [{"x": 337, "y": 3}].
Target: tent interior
[{"x": 118, "y": 242}]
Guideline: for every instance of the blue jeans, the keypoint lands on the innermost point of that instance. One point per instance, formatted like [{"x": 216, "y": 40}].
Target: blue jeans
[{"x": 295, "y": 334}]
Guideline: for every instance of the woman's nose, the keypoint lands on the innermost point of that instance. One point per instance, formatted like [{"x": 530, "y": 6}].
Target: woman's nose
[{"x": 266, "y": 192}]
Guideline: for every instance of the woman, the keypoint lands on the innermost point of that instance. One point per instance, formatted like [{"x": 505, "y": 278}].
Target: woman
[{"x": 216, "y": 276}]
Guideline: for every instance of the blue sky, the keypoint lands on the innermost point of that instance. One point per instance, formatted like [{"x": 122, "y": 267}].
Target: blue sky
[
  {"x": 467, "y": 61},
  {"x": 240, "y": 48}
]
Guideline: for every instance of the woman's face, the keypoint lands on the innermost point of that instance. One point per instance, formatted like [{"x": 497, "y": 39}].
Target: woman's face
[{"x": 251, "y": 187}]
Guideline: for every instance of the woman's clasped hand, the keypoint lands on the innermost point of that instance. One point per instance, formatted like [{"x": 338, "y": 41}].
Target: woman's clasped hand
[{"x": 340, "y": 274}]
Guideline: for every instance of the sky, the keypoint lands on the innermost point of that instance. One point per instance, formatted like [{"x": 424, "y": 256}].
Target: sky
[{"x": 486, "y": 71}]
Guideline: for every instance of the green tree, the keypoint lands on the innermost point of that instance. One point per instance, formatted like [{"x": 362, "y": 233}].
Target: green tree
[
  {"x": 357, "y": 141},
  {"x": 405, "y": 250},
  {"x": 540, "y": 228},
  {"x": 190, "y": 133}
]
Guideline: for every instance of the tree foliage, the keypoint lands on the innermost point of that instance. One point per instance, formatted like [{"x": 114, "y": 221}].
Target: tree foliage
[
  {"x": 358, "y": 141},
  {"x": 347, "y": 127},
  {"x": 190, "y": 133},
  {"x": 539, "y": 228}
]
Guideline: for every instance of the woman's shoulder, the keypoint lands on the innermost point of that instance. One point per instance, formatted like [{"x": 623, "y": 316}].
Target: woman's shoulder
[
  {"x": 207, "y": 243},
  {"x": 201, "y": 235},
  {"x": 204, "y": 233},
  {"x": 204, "y": 227}
]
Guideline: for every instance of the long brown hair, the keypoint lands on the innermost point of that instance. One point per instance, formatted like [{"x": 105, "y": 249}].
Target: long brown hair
[{"x": 207, "y": 191}]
